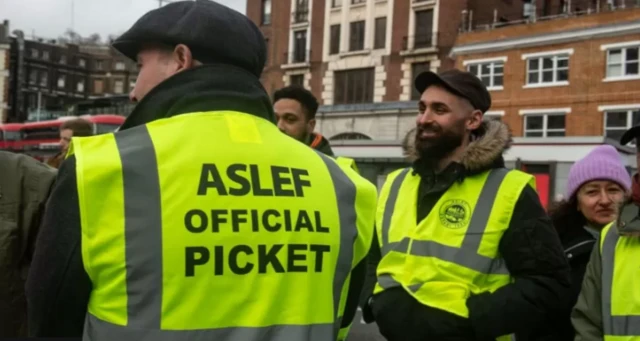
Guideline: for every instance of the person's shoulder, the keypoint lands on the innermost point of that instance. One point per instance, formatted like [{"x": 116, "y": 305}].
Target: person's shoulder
[{"x": 17, "y": 162}]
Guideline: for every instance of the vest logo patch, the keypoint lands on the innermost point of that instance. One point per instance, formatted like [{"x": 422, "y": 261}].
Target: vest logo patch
[{"x": 455, "y": 213}]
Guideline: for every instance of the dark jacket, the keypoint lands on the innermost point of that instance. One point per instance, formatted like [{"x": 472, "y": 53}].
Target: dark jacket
[
  {"x": 577, "y": 242},
  {"x": 321, "y": 144},
  {"x": 25, "y": 184},
  {"x": 530, "y": 248},
  {"x": 58, "y": 287}
]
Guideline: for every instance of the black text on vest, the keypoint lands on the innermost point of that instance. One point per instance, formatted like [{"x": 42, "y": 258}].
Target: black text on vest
[
  {"x": 277, "y": 258},
  {"x": 245, "y": 180}
]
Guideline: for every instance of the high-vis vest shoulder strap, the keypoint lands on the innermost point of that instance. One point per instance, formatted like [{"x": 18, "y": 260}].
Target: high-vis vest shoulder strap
[
  {"x": 351, "y": 163},
  {"x": 453, "y": 252},
  {"x": 223, "y": 240},
  {"x": 620, "y": 280}
]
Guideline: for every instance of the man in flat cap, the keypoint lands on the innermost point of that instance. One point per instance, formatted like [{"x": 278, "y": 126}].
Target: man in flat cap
[
  {"x": 199, "y": 219},
  {"x": 466, "y": 250}
]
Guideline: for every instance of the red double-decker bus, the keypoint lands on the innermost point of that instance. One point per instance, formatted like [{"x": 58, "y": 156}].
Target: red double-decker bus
[
  {"x": 42, "y": 139},
  {"x": 10, "y": 136}
]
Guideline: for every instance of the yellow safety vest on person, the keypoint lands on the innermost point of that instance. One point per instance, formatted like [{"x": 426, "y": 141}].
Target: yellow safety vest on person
[
  {"x": 453, "y": 252},
  {"x": 620, "y": 278},
  {"x": 225, "y": 240},
  {"x": 348, "y": 162}
]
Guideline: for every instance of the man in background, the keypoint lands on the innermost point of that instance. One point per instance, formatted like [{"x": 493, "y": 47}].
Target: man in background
[
  {"x": 24, "y": 188},
  {"x": 69, "y": 129},
  {"x": 295, "y": 108}
]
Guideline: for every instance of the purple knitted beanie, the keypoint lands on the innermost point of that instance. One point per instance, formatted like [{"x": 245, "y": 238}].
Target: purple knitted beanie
[{"x": 602, "y": 163}]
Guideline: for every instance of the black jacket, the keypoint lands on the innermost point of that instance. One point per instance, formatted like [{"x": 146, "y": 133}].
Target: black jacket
[
  {"x": 578, "y": 243},
  {"x": 320, "y": 143},
  {"x": 530, "y": 248},
  {"x": 58, "y": 287}
]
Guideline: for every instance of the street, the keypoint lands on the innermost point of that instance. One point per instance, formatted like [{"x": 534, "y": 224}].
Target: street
[{"x": 363, "y": 332}]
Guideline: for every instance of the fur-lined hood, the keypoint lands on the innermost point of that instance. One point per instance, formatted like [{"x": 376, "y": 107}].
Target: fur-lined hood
[{"x": 492, "y": 139}]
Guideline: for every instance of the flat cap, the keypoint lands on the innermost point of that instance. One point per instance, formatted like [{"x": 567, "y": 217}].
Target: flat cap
[
  {"x": 460, "y": 83},
  {"x": 213, "y": 32}
]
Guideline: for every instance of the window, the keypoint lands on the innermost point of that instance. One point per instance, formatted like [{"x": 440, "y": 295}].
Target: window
[
  {"x": 34, "y": 53},
  {"x": 356, "y": 36},
  {"x": 416, "y": 69},
  {"x": 33, "y": 76},
  {"x": 380, "y": 36},
  {"x": 353, "y": 2},
  {"x": 45, "y": 55},
  {"x": 63, "y": 59},
  {"x": 132, "y": 84},
  {"x": 98, "y": 86},
  {"x": 82, "y": 62},
  {"x": 618, "y": 121},
  {"x": 549, "y": 125},
  {"x": 266, "y": 12},
  {"x": 548, "y": 69},
  {"x": 302, "y": 11},
  {"x": 334, "y": 43},
  {"x": 118, "y": 87},
  {"x": 424, "y": 29},
  {"x": 353, "y": 86},
  {"x": 336, "y": 3},
  {"x": 80, "y": 86},
  {"x": 61, "y": 81},
  {"x": 299, "y": 46},
  {"x": 623, "y": 62},
  {"x": 44, "y": 78},
  {"x": 120, "y": 66},
  {"x": 99, "y": 64},
  {"x": 297, "y": 80},
  {"x": 491, "y": 73}
]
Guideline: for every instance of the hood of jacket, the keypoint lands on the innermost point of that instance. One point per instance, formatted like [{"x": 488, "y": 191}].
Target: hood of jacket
[
  {"x": 210, "y": 87},
  {"x": 490, "y": 141},
  {"x": 320, "y": 143}
]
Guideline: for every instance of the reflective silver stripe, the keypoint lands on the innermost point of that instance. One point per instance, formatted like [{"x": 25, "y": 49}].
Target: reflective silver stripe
[
  {"x": 618, "y": 325},
  {"x": 389, "y": 205},
  {"x": 387, "y": 282},
  {"x": 345, "y": 191},
  {"x": 98, "y": 330},
  {"x": 467, "y": 254},
  {"x": 143, "y": 256},
  {"x": 143, "y": 228}
]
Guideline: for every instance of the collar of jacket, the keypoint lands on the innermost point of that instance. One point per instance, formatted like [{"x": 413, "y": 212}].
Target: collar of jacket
[
  {"x": 492, "y": 139},
  {"x": 210, "y": 87}
]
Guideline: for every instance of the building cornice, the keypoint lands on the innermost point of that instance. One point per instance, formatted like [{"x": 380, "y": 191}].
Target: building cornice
[{"x": 612, "y": 30}]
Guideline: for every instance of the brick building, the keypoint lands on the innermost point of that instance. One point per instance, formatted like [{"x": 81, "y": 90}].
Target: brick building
[
  {"x": 355, "y": 51},
  {"x": 47, "y": 77},
  {"x": 563, "y": 82},
  {"x": 4, "y": 70}
]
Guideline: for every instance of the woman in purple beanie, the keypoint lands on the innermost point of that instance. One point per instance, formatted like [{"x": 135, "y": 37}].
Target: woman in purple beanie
[{"x": 596, "y": 187}]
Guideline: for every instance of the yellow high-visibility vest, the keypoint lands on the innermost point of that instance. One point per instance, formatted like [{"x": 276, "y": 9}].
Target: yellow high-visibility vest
[
  {"x": 351, "y": 163},
  {"x": 225, "y": 240},
  {"x": 620, "y": 279},
  {"x": 453, "y": 252}
]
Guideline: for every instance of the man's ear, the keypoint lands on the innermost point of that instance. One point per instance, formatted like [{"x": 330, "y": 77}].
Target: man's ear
[
  {"x": 475, "y": 120},
  {"x": 182, "y": 57}
]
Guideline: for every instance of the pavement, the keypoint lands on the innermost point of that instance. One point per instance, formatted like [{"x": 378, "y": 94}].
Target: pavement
[{"x": 361, "y": 331}]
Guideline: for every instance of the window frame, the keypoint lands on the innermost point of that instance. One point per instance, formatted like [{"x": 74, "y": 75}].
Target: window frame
[
  {"x": 493, "y": 64},
  {"x": 555, "y": 56},
  {"x": 346, "y": 85},
  {"x": 545, "y": 124},
  {"x": 628, "y": 124},
  {"x": 334, "y": 45},
  {"x": 265, "y": 18},
  {"x": 357, "y": 44},
  {"x": 380, "y": 36},
  {"x": 623, "y": 62}
]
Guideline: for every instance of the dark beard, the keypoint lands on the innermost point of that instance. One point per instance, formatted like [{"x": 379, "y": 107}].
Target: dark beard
[{"x": 433, "y": 150}]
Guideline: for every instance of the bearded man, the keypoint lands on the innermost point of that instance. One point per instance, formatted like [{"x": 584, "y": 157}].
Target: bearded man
[{"x": 465, "y": 248}]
